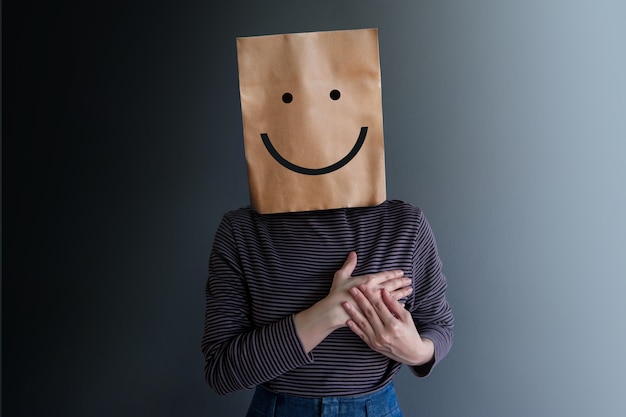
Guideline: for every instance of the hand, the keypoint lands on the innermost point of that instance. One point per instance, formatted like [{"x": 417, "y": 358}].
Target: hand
[
  {"x": 386, "y": 326},
  {"x": 392, "y": 281},
  {"x": 328, "y": 314}
]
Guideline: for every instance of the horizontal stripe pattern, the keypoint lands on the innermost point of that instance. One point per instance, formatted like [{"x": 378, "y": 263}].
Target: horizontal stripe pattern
[{"x": 265, "y": 268}]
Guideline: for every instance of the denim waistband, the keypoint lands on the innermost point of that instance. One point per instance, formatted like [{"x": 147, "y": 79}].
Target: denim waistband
[{"x": 382, "y": 402}]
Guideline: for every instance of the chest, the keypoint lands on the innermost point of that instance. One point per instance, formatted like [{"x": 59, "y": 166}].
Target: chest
[{"x": 288, "y": 268}]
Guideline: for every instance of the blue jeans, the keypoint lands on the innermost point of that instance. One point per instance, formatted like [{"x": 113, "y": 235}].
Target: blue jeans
[{"x": 381, "y": 403}]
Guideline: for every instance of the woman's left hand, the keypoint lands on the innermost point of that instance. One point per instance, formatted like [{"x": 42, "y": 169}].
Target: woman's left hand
[{"x": 387, "y": 327}]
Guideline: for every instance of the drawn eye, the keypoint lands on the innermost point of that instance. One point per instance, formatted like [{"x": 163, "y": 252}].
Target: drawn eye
[
  {"x": 335, "y": 94},
  {"x": 287, "y": 98}
]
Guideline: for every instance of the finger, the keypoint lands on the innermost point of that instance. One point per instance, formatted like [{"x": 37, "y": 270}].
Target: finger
[
  {"x": 348, "y": 266},
  {"x": 395, "y": 308},
  {"x": 392, "y": 280},
  {"x": 365, "y": 299},
  {"x": 355, "y": 315},
  {"x": 385, "y": 276},
  {"x": 358, "y": 323},
  {"x": 397, "y": 284},
  {"x": 379, "y": 278},
  {"x": 380, "y": 306},
  {"x": 357, "y": 330},
  {"x": 401, "y": 293}
]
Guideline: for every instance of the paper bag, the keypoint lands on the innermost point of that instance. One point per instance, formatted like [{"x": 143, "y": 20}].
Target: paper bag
[{"x": 312, "y": 120}]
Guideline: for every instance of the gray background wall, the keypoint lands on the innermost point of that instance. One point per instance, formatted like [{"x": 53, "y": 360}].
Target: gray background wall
[{"x": 505, "y": 121}]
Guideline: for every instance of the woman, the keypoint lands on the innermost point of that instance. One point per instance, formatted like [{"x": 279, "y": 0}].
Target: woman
[{"x": 319, "y": 310}]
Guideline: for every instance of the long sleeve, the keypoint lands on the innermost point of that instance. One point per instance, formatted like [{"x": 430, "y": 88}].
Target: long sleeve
[
  {"x": 263, "y": 269},
  {"x": 431, "y": 312},
  {"x": 238, "y": 354}
]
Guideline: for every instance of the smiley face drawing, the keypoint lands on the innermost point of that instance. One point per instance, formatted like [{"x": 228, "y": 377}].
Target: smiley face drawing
[
  {"x": 288, "y": 98},
  {"x": 312, "y": 120}
]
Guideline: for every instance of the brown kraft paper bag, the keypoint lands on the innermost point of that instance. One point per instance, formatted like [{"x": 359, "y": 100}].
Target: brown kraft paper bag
[{"x": 312, "y": 120}]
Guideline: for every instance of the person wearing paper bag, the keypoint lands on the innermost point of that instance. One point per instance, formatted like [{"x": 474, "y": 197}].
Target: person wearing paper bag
[{"x": 322, "y": 288}]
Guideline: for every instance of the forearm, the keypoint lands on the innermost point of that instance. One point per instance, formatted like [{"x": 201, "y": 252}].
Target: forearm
[
  {"x": 253, "y": 357},
  {"x": 437, "y": 327},
  {"x": 424, "y": 353},
  {"x": 430, "y": 310},
  {"x": 314, "y": 324}
]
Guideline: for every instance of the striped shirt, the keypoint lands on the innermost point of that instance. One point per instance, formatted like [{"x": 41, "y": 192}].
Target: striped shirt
[{"x": 265, "y": 268}]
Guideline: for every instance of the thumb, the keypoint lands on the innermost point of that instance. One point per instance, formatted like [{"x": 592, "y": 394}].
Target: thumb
[{"x": 348, "y": 266}]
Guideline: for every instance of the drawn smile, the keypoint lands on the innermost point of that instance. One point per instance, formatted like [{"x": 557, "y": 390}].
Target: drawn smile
[{"x": 315, "y": 171}]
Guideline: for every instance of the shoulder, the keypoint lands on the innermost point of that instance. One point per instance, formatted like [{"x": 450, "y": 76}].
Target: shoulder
[
  {"x": 242, "y": 212},
  {"x": 401, "y": 210},
  {"x": 400, "y": 205},
  {"x": 233, "y": 221},
  {"x": 239, "y": 217}
]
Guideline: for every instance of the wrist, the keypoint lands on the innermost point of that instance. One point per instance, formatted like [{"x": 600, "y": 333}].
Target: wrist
[
  {"x": 424, "y": 353},
  {"x": 329, "y": 315},
  {"x": 315, "y": 323}
]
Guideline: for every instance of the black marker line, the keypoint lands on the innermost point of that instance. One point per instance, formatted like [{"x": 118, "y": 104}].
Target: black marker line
[{"x": 315, "y": 171}]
